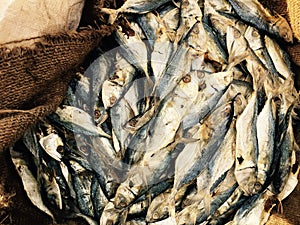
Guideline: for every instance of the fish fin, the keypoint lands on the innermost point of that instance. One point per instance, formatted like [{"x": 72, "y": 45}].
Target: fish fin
[
  {"x": 172, "y": 210},
  {"x": 236, "y": 55},
  {"x": 258, "y": 79},
  {"x": 179, "y": 136},
  {"x": 207, "y": 200},
  {"x": 101, "y": 133},
  {"x": 113, "y": 14},
  {"x": 123, "y": 216},
  {"x": 176, "y": 4}
]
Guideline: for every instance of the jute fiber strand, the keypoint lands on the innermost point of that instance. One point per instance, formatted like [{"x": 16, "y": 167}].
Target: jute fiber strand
[{"x": 293, "y": 7}]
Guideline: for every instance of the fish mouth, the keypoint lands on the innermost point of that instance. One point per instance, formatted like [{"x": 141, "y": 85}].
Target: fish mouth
[
  {"x": 120, "y": 202},
  {"x": 254, "y": 188}
]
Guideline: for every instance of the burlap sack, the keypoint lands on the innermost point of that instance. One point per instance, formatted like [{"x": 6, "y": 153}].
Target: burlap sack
[{"x": 32, "y": 83}]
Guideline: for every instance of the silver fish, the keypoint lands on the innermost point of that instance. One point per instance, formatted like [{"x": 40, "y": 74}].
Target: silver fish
[
  {"x": 265, "y": 126},
  {"x": 178, "y": 67},
  {"x": 190, "y": 13},
  {"x": 279, "y": 57},
  {"x": 30, "y": 183},
  {"x": 149, "y": 24},
  {"x": 171, "y": 21},
  {"x": 134, "y": 50},
  {"x": 142, "y": 176},
  {"x": 98, "y": 72},
  {"x": 211, "y": 88},
  {"x": 253, "y": 12},
  {"x": 162, "y": 52},
  {"x": 82, "y": 187},
  {"x": 133, "y": 6},
  {"x": 77, "y": 120},
  {"x": 247, "y": 147},
  {"x": 112, "y": 216},
  {"x": 98, "y": 198},
  {"x": 138, "y": 207},
  {"x": 159, "y": 207},
  {"x": 195, "y": 156},
  {"x": 285, "y": 149},
  {"x": 50, "y": 144},
  {"x": 166, "y": 121},
  {"x": 116, "y": 85},
  {"x": 256, "y": 210}
]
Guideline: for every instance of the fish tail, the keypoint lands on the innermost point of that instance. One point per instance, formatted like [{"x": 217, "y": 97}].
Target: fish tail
[{"x": 113, "y": 14}]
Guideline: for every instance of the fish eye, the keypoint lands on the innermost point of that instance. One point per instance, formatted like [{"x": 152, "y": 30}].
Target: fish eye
[
  {"x": 166, "y": 209},
  {"x": 196, "y": 30},
  {"x": 122, "y": 204},
  {"x": 97, "y": 113},
  {"x": 187, "y": 78},
  {"x": 112, "y": 99},
  {"x": 185, "y": 3},
  {"x": 202, "y": 86},
  {"x": 257, "y": 186},
  {"x": 238, "y": 100},
  {"x": 60, "y": 149},
  {"x": 200, "y": 74},
  {"x": 109, "y": 222},
  {"x": 155, "y": 216},
  {"x": 255, "y": 33},
  {"x": 133, "y": 122},
  {"x": 236, "y": 34}
]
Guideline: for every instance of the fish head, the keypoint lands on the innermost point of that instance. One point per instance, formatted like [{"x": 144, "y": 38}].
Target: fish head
[
  {"x": 161, "y": 211},
  {"x": 247, "y": 180},
  {"x": 284, "y": 30},
  {"x": 239, "y": 104},
  {"x": 111, "y": 215},
  {"x": 124, "y": 196},
  {"x": 187, "y": 216}
]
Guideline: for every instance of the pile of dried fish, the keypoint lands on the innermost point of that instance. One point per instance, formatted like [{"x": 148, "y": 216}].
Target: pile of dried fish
[{"x": 187, "y": 121}]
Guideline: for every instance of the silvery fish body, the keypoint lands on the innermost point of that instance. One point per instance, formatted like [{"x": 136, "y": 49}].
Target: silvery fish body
[
  {"x": 133, "y": 6},
  {"x": 211, "y": 88},
  {"x": 134, "y": 50},
  {"x": 98, "y": 197},
  {"x": 141, "y": 177},
  {"x": 195, "y": 156},
  {"x": 159, "y": 207},
  {"x": 279, "y": 57},
  {"x": 162, "y": 52},
  {"x": 247, "y": 147},
  {"x": 30, "y": 183},
  {"x": 77, "y": 120},
  {"x": 265, "y": 126},
  {"x": 50, "y": 143},
  {"x": 166, "y": 121},
  {"x": 253, "y": 12},
  {"x": 256, "y": 210},
  {"x": 190, "y": 13},
  {"x": 112, "y": 216},
  {"x": 178, "y": 67},
  {"x": 149, "y": 23},
  {"x": 116, "y": 85}
]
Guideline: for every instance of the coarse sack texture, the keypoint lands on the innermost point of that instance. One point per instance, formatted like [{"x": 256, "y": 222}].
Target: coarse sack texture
[
  {"x": 293, "y": 7},
  {"x": 33, "y": 82}
]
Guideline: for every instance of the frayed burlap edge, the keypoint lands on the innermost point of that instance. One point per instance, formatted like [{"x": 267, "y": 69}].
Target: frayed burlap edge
[{"x": 293, "y": 7}]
